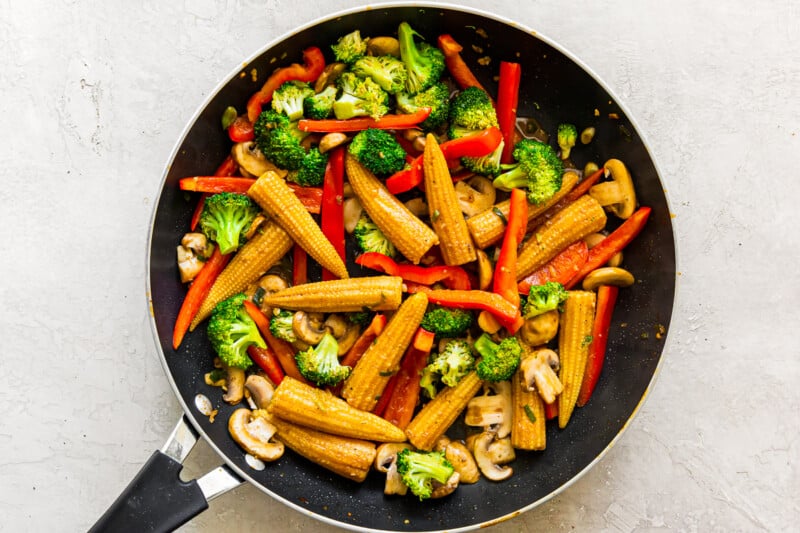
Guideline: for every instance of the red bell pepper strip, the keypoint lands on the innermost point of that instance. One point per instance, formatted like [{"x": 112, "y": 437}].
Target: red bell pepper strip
[
  {"x": 241, "y": 130},
  {"x": 406, "y": 179},
  {"x": 310, "y": 71},
  {"x": 504, "y": 311},
  {"x": 266, "y": 361},
  {"x": 550, "y": 410},
  {"x": 332, "y": 220},
  {"x": 310, "y": 197},
  {"x": 505, "y": 272},
  {"x": 197, "y": 292},
  {"x": 453, "y": 277},
  {"x": 299, "y": 265},
  {"x": 408, "y": 146},
  {"x": 283, "y": 350},
  {"x": 386, "y": 122},
  {"x": 458, "y": 69},
  {"x": 560, "y": 269},
  {"x": 383, "y": 400},
  {"x": 606, "y": 299},
  {"x": 215, "y": 184},
  {"x": 507, "y": 100},
  {"x": 404, "y": 397},
  {"x": 612, "y": 245},
  {"x": 227, "y": 168}
]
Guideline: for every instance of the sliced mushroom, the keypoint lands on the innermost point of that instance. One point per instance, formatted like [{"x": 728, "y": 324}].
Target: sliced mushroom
[
  {"x": 254, "y": 434},
  {"x": 441, "y": 443},
  {"x": 351, "y": 212},
  {"x": 538, "y": 371},
  {"x": 485, "y": 270},
  {"x": 475, "y": 195},
  {"x": 265, "y": 286},
  {"x": 386, "y": 461},
  {"x": 234, "y": 385},
  {"x": 488, "y": 468},
  {"x": 345, "y": 332},
  {"x": 492, "y": 409},
  {"x": 441, "y": 490},
  {"x": 462, "y": 460},
  {"x": 540, "y": 329},
  {"x": 198, "y": 243},
  {"x": 417, "y": 206},
  {"x": 192, "y": 252},
  {"x": 328, "y": 76},
  {"x": 488, "y": 323},
  {"x": 608, "y": 276},
  {"x": 383, "y": 46},
  {"x": 501, "y": 451},
  {"x": 331, "y": 141},
  {"x": 308, "y": 327},
  {"x": 252, "y": 161},
  {"x": 261, "y": 390},
  {"x": 617, "y": 195},
  {"x": 593, "y": 239}
]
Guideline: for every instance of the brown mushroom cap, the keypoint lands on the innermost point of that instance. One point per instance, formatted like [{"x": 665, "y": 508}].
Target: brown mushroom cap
[
  {"x": 251, "y": 161},
  {"x": 488, "y": 468},
  {"x": 485, "y": 270},
  {"x": 540, "y": 329},
  {"x": 234, "y": 383},
  {"x": 386, "y": 461},
  {"x": 617, "y": 195},
  {"x": 608, "y": 276},
  {"x": 254, "y": 434},
  {"x": 463, "y": 461},
  {"x": 261, "y": 390},
  {"x": 308, "y": 327},
  {"x": 475, "y": 195}
]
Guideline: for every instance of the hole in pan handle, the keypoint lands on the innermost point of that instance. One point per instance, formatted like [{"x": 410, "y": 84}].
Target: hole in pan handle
[{"x": 157, "y": 499}]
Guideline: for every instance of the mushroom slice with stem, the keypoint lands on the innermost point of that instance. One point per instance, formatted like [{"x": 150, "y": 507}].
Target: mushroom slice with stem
[
  {"x": 492, "y": 409},
  {"x": 440, "y": 490},
  {"x": 251, "y": 161},
  {"x": 351, "y": 211},
  {"x": 261, "y": 390},
  {"x": 330, "y": 141},
  {"x": 192, "y": 252},
  {"x": 309, "y": 327},
  {"x": 234, "y": 384},
  {"x": 608, "y": 276},
  {"x": 254, "y": 432},
  {"x": 539, "y": 373},
  {"x": 475, "y": 195},
  {"x": 345, "y": 332},
  {"x": 593, "y": 239},
  {"x": 269, "y": 284},
  {"x": 483, "y": 458},
  {"x": 463, "y": 461},
  {"x": 540, "y": 329},
  {"x": 617, "y": 195},
  {"x": 485, "y": 270},
  {"x": 328, "y": 76},
  {"x": 386, "y": 461},
  {"x": 501, "y": 451}
]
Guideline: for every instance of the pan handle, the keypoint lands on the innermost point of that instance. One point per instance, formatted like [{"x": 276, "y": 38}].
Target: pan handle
[{"x": 157, "y": 500}]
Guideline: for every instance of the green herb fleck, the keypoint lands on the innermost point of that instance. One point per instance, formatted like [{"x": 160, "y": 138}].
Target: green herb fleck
[
  {"x": 587, "y": 340},
  {"x": 529, "y": 413},
  {"x": 435, "y": 215},
  {"x": 228, "y": 116},
  {"x": 496, "y": 210}
]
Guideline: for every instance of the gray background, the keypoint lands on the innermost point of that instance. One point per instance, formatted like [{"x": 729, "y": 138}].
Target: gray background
[{"x": 94, "y": 95}]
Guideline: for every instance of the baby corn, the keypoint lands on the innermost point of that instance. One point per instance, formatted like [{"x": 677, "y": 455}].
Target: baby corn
[
  {"x": 377, "y": 293},
  {"x": 527, "y": 417},
  {"x": 574, "y": 340}
]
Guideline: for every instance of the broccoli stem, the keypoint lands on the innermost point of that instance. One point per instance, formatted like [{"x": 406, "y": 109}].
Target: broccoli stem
[
  {"x": 513, "y": 179},
  {"x": 485, "y": 346}
]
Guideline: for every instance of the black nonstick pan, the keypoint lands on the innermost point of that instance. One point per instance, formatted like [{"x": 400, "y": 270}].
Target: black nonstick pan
[{"x": 555, "y": 88}]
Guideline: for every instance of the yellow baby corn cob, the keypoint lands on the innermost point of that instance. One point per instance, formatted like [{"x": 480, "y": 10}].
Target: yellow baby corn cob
[
  {"x": 487, "y": 227},
  {"x": 318, "y": 409},
  {"x": 350, "y": 458},
  {"x": 378, "y": 293},
  {"x": 254, "y": 258},
  {"x": 440, "y": 413},
  {"x": 382, "y": 359},
  {"x": 282, "y": 205},
  {"x": 408, "y": 233},
  {"x": 577, "y": 220},
  {"x": 527, "y": 417},
  {"x": 574, "y": 340},
  {"x": 446, "y": 217}
]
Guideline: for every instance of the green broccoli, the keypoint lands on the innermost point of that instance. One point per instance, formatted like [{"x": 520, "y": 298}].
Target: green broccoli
[
  {"x": 387, "y": 71},
  {"x": 419, "y": 469},
  {"x": 427, "y": 382},
  {"x": 279, "y": 139},
  {"x": 454, "y": 362},
  {"x": 349, "y": 48},
  {"x": 288, "y": 99},
  {"x": 280, "y": 326},
  {"x": 360, "y": 98},
  {"x": 320, "y": 364},
  {"x": 567, "y": 135},
  {"x": 498, "y": 361},
  {"x": 225, "y": 219},
  {"x": 424, "y": 63},
  {"x": 447, "y": 322},
  {"x": 379, "y": 151},
  {"x": 470, "y": 112},
  {"x": 488, "y": 165},
  {"x": 361, "y": 318},
  {"x": 437, "y": 97},
  {"x": 370, "y": 238},
  {"x": 312, "y": 169},
  {"x": 544, "y": 298},
  {"x": 320, "y": 106},
  {"x": 538, "y": 168},
  {"x": 231, "y": 331}
]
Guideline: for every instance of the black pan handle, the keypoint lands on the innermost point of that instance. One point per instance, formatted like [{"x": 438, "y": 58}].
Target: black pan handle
[{"x": 157, "y": 500}]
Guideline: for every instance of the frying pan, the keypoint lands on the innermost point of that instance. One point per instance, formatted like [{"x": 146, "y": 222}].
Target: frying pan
[{"x": 556, "y": 88}]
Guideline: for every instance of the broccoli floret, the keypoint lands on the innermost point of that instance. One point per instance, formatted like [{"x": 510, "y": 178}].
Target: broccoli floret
[
  {"x": 362, "y": 318},
  {"x": 454, "y": 362},
  {"x": 419, "y": 469},
  {"x": 279, "y": 139},
  {"x": 427, "y": 382},
  {"x": 424, "y": 63},
  {"x": 280, "y": 326},
  {"x": 544, "y": 298},
  {"x": 567, "y": 135},
  {"x": 312, "y": 169},
  {"x": 321, "y": 363},
  {"x": 349, "y": 48},
  {"x": 370, "y": 238},
  {"x": 447, "y": 322},
  {"x": 288, "y": 99},
  {"x": 387, "y": 71},
  {"x": 499, "y": 361},
  {"x": 471, "y": 109},
  {"x": 320, "y": 106},
  {"x": 225, "y": 219},
  {"x": 488, "y": 165},
  {"x": 379, "y": 151},
  {"x": 360, "y": 98},
  {"x": 437, "y": 97},
  {"x": 231, "y": 331},
  {"x": 538, "y": 168}
]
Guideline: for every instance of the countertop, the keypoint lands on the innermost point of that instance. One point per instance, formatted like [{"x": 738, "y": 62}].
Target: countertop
[{"x": 94, "y": 95}]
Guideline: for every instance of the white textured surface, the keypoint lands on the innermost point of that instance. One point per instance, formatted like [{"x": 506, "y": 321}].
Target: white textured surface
[{"x": 94, "y": 95}]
